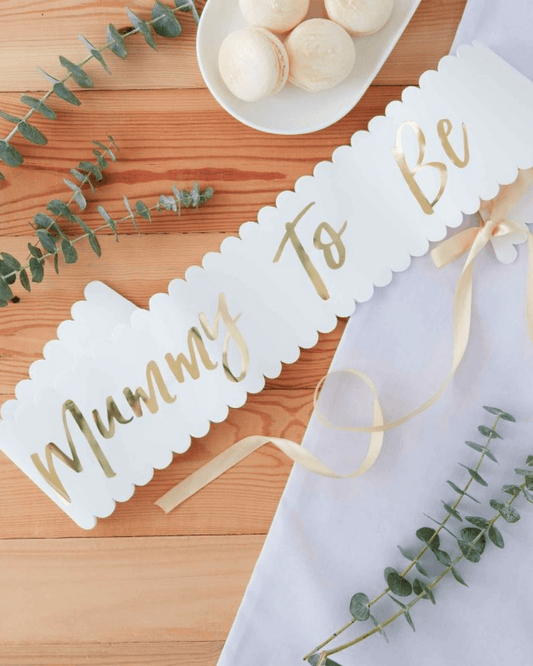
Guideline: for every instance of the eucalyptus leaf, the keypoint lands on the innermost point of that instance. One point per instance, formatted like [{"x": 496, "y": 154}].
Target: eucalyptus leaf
[
  {"x": 32, "y": 134},
  {"x": 24, "y": 280},
  {"x": 420, "y": 587},
  {"x": 143, "y": 210},
  {"x": 359, "y": 607},
  {"x": 91, "y": 168},
  {"x": 429, "y": 536},
  {"x": 461, "y": 492},
  {"x": 61, "y": 90},
  {"x": 35, "y": 251},
  {"x": 511, "y": 490},
  {"x": 443, "y": 557},
  {"x": 377, "y": 624},
  {"x": 482, "y": 449},
  {"x": 60, "y": 208},
  {"x": 407, "y": 616},
  {"x": 398, "y": 584},
  {"x": 5, "y": 290},
  {"x": 39, "y": 106},
  {"x": 10, "y": 118},
  {"x": 498, "y": 412},
  {"x": 36, "y": 270},
  {"x": 458, "y": 576},
  {"x": 453, "y": 512},
  {"x": 314, "y": 660},
  {"x": 56, "y": 262},
  {"x": 489, "y": 432},
  {"x": 475, "y": 475},
  {"x": 523, "y": 472},
  {"x": 143, "y": 28},
  {"x": 477, "y": 521},
  {"x": 10, "y": 155},
  {"x": 80, "y": 176},
  {"x": 406, "y": 553},
  {"x": 94, "y": 52},
  {"x": 95, "y": 244},
  {"x": 398, "y": 602},
  {"x": 529, "y": 461},
  {"x": 77, "y": 73},
  {"x": 496, "y": 537},
  {"x": 471, "y": 548},
  {"x": 164, "y": 21},
  {"x": 421, "y": 569},
  {"x": 527, "y": 495},
  {"x": 8, "y": 272},
  {"x": 508, "y": 513},
  {"x": 47, "y": 240},
  {"x": 116, "y": 42},
  {"x": 9, "y": 260},
  {"x": 69, "y": 252}
]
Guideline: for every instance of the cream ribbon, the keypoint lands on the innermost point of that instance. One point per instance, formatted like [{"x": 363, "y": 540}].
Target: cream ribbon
[{"x": 493, "y": 222}]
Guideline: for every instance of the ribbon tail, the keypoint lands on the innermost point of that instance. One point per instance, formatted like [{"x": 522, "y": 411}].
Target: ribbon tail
[{"x": 453, "y": 248}]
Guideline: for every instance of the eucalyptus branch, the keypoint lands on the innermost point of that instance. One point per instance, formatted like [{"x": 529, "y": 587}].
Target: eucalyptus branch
[
  {"x": 429, "y": 536},
  {"x": 164, "y": 23},
  {"x": 471, "y": 545}
]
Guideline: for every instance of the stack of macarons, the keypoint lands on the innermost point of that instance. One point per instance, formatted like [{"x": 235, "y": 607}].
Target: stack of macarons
[{"x": 315, "y": 54}]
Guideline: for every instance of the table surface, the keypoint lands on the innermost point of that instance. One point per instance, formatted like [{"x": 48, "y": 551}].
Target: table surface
[{"x": 144, "y": 587}]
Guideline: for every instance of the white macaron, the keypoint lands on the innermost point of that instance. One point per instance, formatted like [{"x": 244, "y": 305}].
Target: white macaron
[
  {"x": 274, "y": 15},
  {"x": 253, "y": 63},
  {"x": 321, "y": 54},
  {"x": 360, "y": 17}
]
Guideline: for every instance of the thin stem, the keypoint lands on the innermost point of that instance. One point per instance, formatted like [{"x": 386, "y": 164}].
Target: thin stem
[
  {"x": 90, "y": 57},
  {"x": 421, "y": 552},
  {"x": 433, "y": 584}
]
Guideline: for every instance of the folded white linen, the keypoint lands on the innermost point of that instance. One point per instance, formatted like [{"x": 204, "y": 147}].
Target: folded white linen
[{"x": 331, "y": 539}]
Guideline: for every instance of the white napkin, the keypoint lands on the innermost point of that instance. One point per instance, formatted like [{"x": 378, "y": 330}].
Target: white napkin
[{"x": 331, "y": 539}]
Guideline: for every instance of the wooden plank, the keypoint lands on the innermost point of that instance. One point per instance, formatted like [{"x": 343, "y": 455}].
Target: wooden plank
[
  {"x": 242, "y": 501},
  {"x": 35, "y": 35},
  {"x": 135, "y": 590},
  {"x": 188, "y": 138},
  {"x": 113, "y": 654}
]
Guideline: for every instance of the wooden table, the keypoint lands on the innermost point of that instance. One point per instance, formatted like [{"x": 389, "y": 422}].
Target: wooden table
[{"x": 143, "y": 587}]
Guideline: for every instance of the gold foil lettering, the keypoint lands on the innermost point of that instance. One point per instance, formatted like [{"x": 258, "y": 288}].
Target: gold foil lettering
[
  {"x": 336, "y": 242},
  {"x": 153, "y": 373},
  {"x": 444, "y": 129},
  {"x": 232, "y": 332},
  {"x": 409, "y": 173},
  {"x": 113, "y": 414},
  {"x": 180, "y": 362},
  {"x": 49, "y": 473}
]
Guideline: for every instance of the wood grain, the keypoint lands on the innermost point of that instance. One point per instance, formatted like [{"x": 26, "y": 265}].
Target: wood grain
[{"x": 123, "y": 590}]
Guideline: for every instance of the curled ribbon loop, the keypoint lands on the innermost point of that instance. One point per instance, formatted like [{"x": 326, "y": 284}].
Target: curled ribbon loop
[{"x": 493, "y": 222}]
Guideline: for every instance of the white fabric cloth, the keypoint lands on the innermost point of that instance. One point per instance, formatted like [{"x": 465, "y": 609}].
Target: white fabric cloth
[{"x": 331, "y": 539}]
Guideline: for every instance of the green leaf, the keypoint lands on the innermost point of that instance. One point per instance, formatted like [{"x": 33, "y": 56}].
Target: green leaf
[
  {"x": 60, "y": 208},
  {"x": 80, "y": 176},
  {"x": 419, "y": 587},
  {"x": 406, "y": 554},
  {"x": 482, "y": 449},
  {"x": 314, "y": 660},
  {"x": 8, "y": 273},
  {"x": 168, "y": 203},
  {"x": 2, "y": 177},
  {"x": 475, "y": 475},
  {"x": 24, "y": 280},
  {"x": 441, "y": 524},
  {"x": 143, "y": 210},
  {"x": 101, "y": 160},
  {"x": 508, "y": 513},
  {"x": 5, "y": 290},
  {"x": 165, "y": 23},
  {"x": 453, "y": 512},
  {"x": 489, "y": 432},
  {"x": 69, "y": 252},
  {"x": 47, "y": 240},
  {"x": 523, "y": 472},
  {"x": 461, "y": 492},
  {"x": 10, "y": 118},
  {"x": 443, "y": 557},
  {"x": 195, "y": 195},
  {"x": 407, "y": 616},
  {"x": 498, "y": 412},
  {"x": 472, "y": 551},
  {"x": 32, "y": 134},
  {"x": 56, "y": 263},
  {"x": 511, "y": 490},
  {"x": 529, "y": 461},
  {"x": 376, "y": 623},
  {"x": 10, "y": 262},
  {"x": 94, "y": 52},
  {"x": 82, "y": 224},
  {"x": 36, "y": 269},
  {"x": 77, "y": 73},
  {"x": 399, "y": 585},
  {"x": 61, "y": 90},
  {"x": 48, "y": 77},
  {"x": 458, "y": 576},
  {"x": 128, "y": 208},
  {"x": 35, "y": 251},
  {"x": 108, "y": 220},
  {"x": 10, "y": 155},
  {"x": 77, "y": 196},
  {"x": 89, "y": 167},
  {"x": 359, "y": 607},
  {"x": 421, "y": 569},
  {"x": 398, "y": 602},
  {"x": 106, "y": 149},
  {"x": 496, "y": 537},
  {"x": 95, "y": 244},
  {"x": 39, "y": 106},
  {"x": 116, "y": 42},
  {"x": 429, "y": 536},
  {"x": 143, "y": 28},
  {"x": 478, "y": 522}
]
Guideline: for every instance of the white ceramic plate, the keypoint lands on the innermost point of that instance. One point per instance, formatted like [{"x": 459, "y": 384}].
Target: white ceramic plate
[{"x": 294, "y": 111}]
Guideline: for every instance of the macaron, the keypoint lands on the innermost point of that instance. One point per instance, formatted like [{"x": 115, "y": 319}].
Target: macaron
[
  {"x": 321, "y": 54},
  {"x": 253, "y": 63},
  {"x": 360, "y": 17},
  {"x": 275, "y": 15}
]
